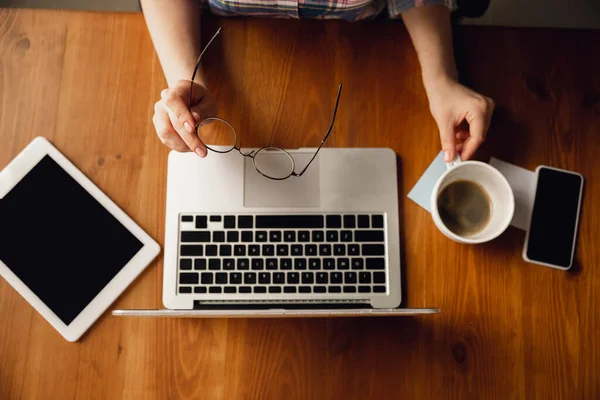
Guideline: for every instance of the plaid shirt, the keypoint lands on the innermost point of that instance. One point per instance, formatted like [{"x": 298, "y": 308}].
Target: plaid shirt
[{"x": 350, "y": 10}]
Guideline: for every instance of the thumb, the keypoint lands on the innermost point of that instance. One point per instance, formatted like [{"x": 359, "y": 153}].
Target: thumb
[{"x": 448, "y": 140}]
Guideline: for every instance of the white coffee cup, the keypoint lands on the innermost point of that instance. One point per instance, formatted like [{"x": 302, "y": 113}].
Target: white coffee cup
[{"x": 493, "y": 182}]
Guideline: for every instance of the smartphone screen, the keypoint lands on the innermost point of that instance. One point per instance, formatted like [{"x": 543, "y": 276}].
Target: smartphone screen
[{"x": 553, "y": 228}]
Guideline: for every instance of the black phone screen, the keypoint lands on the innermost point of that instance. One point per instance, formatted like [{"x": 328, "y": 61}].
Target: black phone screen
[{"x": 554, "y": 217}]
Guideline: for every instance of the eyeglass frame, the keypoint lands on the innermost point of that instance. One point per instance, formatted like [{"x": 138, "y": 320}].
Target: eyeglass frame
[{"x": 252, "y": 154}]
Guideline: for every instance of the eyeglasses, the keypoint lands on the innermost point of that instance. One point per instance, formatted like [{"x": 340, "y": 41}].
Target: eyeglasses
[{"x": 271, "y": 162}]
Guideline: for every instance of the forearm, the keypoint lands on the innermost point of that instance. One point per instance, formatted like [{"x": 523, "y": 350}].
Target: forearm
[
  {"x": 431, "y": 34},
  {"x": 175, "y": 32}
]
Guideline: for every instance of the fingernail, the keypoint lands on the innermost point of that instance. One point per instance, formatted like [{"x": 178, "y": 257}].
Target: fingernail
[
  {"x": 188, "y": 127},
  {"x": 200, "y": 152},
  {"x": 196, "y": 116},
  {"x": 447, "y": 157}
]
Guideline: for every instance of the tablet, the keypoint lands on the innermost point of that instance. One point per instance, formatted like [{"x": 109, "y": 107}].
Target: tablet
[{"x": 64, "y": 245}]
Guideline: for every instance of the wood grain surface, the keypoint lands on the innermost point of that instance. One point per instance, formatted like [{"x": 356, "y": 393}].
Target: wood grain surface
[{"x": 88, "y": 81}]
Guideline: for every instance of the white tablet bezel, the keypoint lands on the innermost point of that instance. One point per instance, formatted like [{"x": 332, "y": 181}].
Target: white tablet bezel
[
  {"x": 526, "y": 244},
  {"x": 14, "y": 172}
]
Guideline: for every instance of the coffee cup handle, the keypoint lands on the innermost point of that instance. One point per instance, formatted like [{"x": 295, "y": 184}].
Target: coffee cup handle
[{"x": 457, "y": 160}]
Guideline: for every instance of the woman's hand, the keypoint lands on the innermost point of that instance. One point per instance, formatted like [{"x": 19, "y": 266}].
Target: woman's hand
[
  {"x": 174, "y": 121},
  {"x": 453, "y": 106}
]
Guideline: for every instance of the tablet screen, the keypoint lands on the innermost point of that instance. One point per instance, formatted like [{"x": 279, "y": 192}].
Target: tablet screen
[{"x": 60, "y": 241}]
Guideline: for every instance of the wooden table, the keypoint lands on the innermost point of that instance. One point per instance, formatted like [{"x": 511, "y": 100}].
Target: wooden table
[{"x": 88, "y": 81}]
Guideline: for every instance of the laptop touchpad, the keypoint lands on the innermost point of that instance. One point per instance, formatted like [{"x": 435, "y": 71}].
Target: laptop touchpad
[{"x": 291, "y": 192}]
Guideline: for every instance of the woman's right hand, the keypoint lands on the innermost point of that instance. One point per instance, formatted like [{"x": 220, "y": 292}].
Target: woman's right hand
[{"x": 174, "y": 121}]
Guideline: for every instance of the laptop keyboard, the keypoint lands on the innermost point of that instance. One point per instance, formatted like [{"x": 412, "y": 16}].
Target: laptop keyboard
[{"x": 318, "y": 254}]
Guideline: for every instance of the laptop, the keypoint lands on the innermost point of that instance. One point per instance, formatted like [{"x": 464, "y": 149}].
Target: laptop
[{"x": 326, "y": 243}]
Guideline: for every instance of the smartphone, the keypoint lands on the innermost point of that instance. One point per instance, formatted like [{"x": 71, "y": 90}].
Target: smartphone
[{"x": 552, "y": 232}]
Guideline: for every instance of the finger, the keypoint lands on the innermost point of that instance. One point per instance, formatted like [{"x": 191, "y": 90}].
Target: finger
[
  {"x": 459, "y": 149},
  {"x": 183, "y": 121},
  {"x": 167, "y": 135},
  {"x": 462, "y": 135},
  {"x": 477, "y": 130},
  {"x": 448, "y": 141}
]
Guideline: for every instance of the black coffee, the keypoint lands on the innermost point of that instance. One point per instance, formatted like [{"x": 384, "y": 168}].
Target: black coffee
[{"x": 464, "y": 207}]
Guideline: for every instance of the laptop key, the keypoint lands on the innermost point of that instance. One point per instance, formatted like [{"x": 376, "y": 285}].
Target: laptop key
[
  {"x": 233, "y": 236},
  {"x": 214, "y": 264},
  {"x": 329, "y": 263},
  {"x": 318, "y": 236},
  {"x": 274, "y": 289},
  {"x": 377, "y": 221},
  {"x": 310, "y": 249},
  {"x": 379, "y": 289},
  {"x": 343, "y": 263},
  {"x": 364, "y": 277},
  {"x": 271, "y": 263},
  {"x": 225, "y": 250},
  {"x": 304, "y": 289},
  {"x": 264, "y": 278},
  {"x": 289, "y": 221},
  {"x": 200, "y": 264},
  {"x": 201, "y": 222},
  {"x": 297, "y": 250},
  {"x": 369, "y": 236},
  {"x": 254, "y": 250},
  {"x": 275, "y": 236},
  {"x": 191, "y": 250},
  {"x": 245, "y": 289},
  {"x": 229, "y": 223},
  {"x": 350, "y": 277},
  {"x": 185, "y": 263},
  {"x": 346, "y": 236},
  {"x": 336, "y": 277},
  {"x": 339, "y": 249},
  {"x": 215, "y": 218},
  {"x": 334, "y": 221},
  {"x": 375, "y": 263},
  {"x": 314, "y": 263},
  {"x": 285, "y": 264},
  {"x": 322, "y": 277},
  {"x": 332, "y": 236},
  {"x": 260, "y": 289},
  {"x": 300, "y": 263},
  {"x": 187, "y": 218},
  {"x": 214, "y": 289},
  {"x": 228, "y": 264},
  {"x": 325, "y": 250},
  {"x": 243, "y": 264},
  {"x": 206, "y": 278},
  {"x": 218, "y": 236},
  {"x": 319, "y": 289},
  {"x": 289, "y": 289},
  {"x": 293, "y": 277},
  {"x": 278, "y": 277},
  {"x": 185, "y": 289},
  {"x": 235, "y": 278},
  {"x": 353, "y": 250},
  {"x": 239, "y": 250},
  {"x": 249, "y": 278},
  {"x": 378, "y": 277},
  {"x": 304, "y": 236},
  {"x": 195, "y": 237},
  {"x": 245, "y": 222},
  {"x": 200, "y": 289},
  {"x": 308, "y": 277},
  {"x": 260, "y": 236},
  {"x": 268, "y": 250},
  {"x": 258, "y": 263},
  {"x": 247, "y": 237},
  {"x": 282, "y": 250},
  {"x": 373, "y": 250},
  {"x": 188, "y": 278},
  {"x": 357, "y": 263},
  {"x": 349, "y": 289},
  {"x": 289, "y": 236},
  {"x": 221, "y": 277},
  {"x": 349, "y": 221},
  {"x": 363, "y": 221},
  {"x": 335, "y": 289},
  {"x": 364, "y": 289},
  {"x": 229, "y": 289},
  {"x": 211, "y": 250}
]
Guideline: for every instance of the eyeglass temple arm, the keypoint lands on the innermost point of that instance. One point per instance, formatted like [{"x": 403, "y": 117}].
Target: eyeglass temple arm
[
  {"x": 337, "y": 100},
  {"x": 198, "y": 64}
]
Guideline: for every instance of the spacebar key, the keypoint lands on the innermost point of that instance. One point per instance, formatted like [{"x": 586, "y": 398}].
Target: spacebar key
[{"x": 289, "y": 221}]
